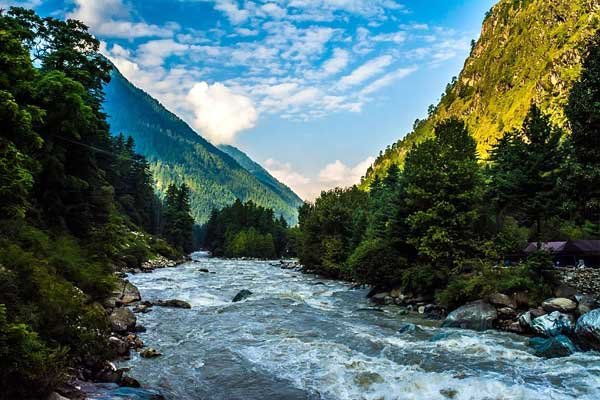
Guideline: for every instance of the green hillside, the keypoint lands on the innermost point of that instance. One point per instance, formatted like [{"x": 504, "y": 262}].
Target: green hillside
[
  {"x": 262, "y": 175},
  {"x": 177, "y": 154},
  {"x": 528, "y": 51}
]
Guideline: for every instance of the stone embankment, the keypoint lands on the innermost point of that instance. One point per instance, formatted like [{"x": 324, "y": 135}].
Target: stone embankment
[{"x": 583, "y": 280}]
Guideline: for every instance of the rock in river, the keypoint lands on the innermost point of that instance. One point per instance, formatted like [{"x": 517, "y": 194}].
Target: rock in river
[
  {"x": 588, "y": 329},
  {"x": 122, "y": 320},
  {"x": 173, "y": 303},
  {"x": 559, "y": 304},
  {"x": 558, "y": 346},
  {"x": 243, "y": 294},
  {"x": 478, "y": 316},
  {"x": 150, "y": 353},
  {"x": 553, "y": 324}
]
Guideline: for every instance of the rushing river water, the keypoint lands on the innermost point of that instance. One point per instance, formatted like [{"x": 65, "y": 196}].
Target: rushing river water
[{"x": 302, "y": 337}]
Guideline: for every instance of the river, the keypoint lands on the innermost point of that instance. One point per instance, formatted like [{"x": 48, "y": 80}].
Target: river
[{"x": 303, "y": 337}]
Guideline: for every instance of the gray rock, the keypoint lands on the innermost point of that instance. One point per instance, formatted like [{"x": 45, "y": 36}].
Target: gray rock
[
  {"x": 150, "y": 353},
  {"x": 478, "y": 316},
  {"x": 121, "y": 347},
  {"x": 587, "y": 329},
  {"x": 501, "y": 300},
  {"x": 521, "y": 299},
  {"x": 553, "y": 324},
  {"x": 565, "y": 291},
  {"x": 560, "y": 304},
  {"x": 127, "y": 381},
  {"x": 243, "y": 294},
  {"x": 525, "y": 320},
  {"x": 557, "y": 346},
  {"x": 507, "y": 313},
  {"x": 585, "y": 303},
  {"x": 173, "y": 303},
  {"x": 122, "y": 320},
  {"x": 421, "y": 309}
]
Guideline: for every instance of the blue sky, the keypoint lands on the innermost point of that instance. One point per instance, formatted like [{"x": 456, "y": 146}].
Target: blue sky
[{"x": 312, "y": 89}]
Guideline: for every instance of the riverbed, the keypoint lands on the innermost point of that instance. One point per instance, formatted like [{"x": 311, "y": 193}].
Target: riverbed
[{"x": 300, "y": 336}]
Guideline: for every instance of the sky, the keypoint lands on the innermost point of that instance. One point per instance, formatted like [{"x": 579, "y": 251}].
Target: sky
[{"x": 311, "y": 89}]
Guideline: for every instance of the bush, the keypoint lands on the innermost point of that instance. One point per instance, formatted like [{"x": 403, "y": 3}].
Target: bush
[
  {"x": 28, "y": 368},
  {"x": 375, "y": 262}
]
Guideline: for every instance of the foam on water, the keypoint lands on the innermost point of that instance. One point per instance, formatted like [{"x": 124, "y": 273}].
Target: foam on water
[{"x": 302, "y": 337}]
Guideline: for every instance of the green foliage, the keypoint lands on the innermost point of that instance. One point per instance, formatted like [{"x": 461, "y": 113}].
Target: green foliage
[
  {"x": 331, "y": 229},
  {"x": 376, "y": 262},
  {"x": 27, "y": 366},
  {"x": 179, "y": 223},
  {"x": 246, "y": 230},
  {"x": 73, "y": 202}
]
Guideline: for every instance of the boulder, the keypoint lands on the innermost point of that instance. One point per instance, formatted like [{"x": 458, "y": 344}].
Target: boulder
[
  {"x": 127, "y": 381},
  {"x": 587, "y": 329},
  {"x": 557, "y": 346},
  {"x": 501, "y": 300},
  {"x": 396, "y": 293},
  {"x": 421, "y": 309},
  {"x": 585, "y": 303},
  {"x": 525, "y": 320},
  {"x": 173, "y": 303},
  {"x": 553, "y": 324},
  {"x": 122, "y": 320},
  {"x": 203, "y": 270},
  {"x": 520, "y": 299},
  {"x": 478, "y": 316},
  {"x": 109, "y": 373},
  {"x": 565, "y": 291},
  {"x": 537, "y": 312},
  {"x": 129, "y": 293},
  {"x": 120, "y": 347},
  {"x": 242, "y": 295},
  {"x": 505, "y": 313},
  {"x": 560, "y": 304},
  {"x": 379, "y": 298},
  {"x": 150, "y": 353}
]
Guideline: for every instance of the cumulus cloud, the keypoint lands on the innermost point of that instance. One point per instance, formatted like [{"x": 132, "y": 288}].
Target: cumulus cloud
[
  {"x": 111, "y": 18},
  {"x": 366, "y": 71},
  {"x": 220, "y": 114},
  {"x": 235, "y": 14},
  {"x": 340, "y": 174}
]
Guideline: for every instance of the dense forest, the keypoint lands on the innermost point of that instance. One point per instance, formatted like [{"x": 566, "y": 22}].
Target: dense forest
[
  {"x": 247, "y": 230},
  {"x": 441, "y": 224},
  {"x": 75, "y": 203}
]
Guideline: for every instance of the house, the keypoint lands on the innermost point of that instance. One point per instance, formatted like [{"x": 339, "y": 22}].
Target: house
[{"x": 570, "y": 253}]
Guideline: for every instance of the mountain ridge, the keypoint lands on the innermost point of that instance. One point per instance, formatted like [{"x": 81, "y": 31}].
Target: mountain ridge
[
  {"x": 528, "y": 51},
  {"x": 178, "y": 154}
]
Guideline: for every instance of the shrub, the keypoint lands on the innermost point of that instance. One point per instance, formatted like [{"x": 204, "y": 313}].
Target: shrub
[{"x": 375, "y": 262}]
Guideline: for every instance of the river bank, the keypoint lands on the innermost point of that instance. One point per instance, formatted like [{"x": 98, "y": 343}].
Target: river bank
[{"x": 301, "y": 336}]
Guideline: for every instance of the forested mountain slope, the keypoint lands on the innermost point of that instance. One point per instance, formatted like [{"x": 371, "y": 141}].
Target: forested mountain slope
[
  {"x": 528, "y": 51},
  {"x": 177, "y": 154},
  {"x": 262, "y": 174}
]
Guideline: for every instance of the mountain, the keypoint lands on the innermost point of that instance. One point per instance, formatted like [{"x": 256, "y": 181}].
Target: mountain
[
  {"x": 262, "y": 175},
  {"x": 528, "y": 51},
  {"x": 176, "y": 154}
]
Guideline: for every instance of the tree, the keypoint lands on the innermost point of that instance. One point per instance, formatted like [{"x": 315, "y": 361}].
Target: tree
[
  {"x": 583, "y": 112},
  {"x": 442, "y": 194},
  {"x": 179, "y": 223},
  {"x": 523, "y": 172}
]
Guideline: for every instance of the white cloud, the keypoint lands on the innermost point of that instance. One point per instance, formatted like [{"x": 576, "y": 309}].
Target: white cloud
[
  {"x": 273, "y": 10},
  {"x": 339, "y": 174},
  {"x": 387, "y": 80},
  {"x": 219, "y": 113},
  {"x": 155, "y": 52},
  {"x": 111, "y": 18},
  {"x": 336, "y": 63},
  {"x": 235, "y": 14},
  {"x": 286, "y": 174},
  {"x": 366, "y": 71}
]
